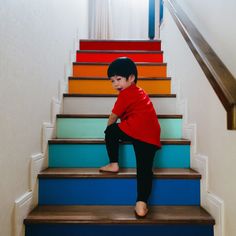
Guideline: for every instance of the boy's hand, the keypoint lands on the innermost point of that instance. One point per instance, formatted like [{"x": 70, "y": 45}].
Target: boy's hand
[{"x": 112, "y": 119}]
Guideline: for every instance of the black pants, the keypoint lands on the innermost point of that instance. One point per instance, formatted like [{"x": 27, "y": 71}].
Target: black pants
[{"x": 144, "y": 153}]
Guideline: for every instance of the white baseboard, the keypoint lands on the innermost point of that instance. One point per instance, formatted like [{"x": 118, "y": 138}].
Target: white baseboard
[
  {"x": 63, "y": 88},
  {"x": 29, "y": 200},
  {"x": 55, "y": 109},
  {"x": 200, "y": 164},
  {"x": 48, "y": 133},
  {"x": 38, "y": 163},
  {"x": 23, "y": 206},
  {"x": 49, "y": 129},
  {"x": 190, "y": 132},
  {"x": 213, "y": 204}
]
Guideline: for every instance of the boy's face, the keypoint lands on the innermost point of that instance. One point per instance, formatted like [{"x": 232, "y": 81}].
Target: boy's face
[{"x": 120, "y": 83}]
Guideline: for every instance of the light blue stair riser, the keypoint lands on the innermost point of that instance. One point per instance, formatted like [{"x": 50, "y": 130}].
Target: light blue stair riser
[
  {"x": 95, "y": 155},
  {"x": 112, "y": 191},
  {"x": 119, "y": 229},
  {"x": 94, "y": 128}
]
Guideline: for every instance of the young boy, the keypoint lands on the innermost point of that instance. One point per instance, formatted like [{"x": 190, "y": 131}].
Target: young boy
[{"x": 139, "y": 125}]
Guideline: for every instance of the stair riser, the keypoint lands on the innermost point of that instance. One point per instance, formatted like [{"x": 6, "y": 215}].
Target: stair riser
[
  {"x": 84, "y": 70},
  {"x": 118, "y": 230},
  {"x": 87, "y": 105},
  {"x": 94, "y": 128},
  {"x": 125, "y": 45},
  {"x": 116, "y": 192},
  {"x": 109, "y": 57},
  {"x": 95, "y": 155},
  {"x": 105, "y": 87}
]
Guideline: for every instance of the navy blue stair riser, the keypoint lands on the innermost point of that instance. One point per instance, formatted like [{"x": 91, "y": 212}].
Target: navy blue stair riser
[
  {"x": 117, "y": 230},
  {"x": 116, "y": 192}
]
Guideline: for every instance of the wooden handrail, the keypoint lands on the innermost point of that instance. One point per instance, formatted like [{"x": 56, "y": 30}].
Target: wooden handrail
[{"x": 220, "y": 78}]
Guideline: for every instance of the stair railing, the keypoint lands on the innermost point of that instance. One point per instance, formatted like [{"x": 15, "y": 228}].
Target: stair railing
[
  {"x": 152, "y": 14},
  {"x": 151, "y": 19},
  {"x": 220, "y": 78}
]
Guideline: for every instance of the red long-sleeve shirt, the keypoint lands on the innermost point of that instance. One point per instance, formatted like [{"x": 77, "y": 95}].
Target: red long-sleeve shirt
[{"x": 137, "y": 115}]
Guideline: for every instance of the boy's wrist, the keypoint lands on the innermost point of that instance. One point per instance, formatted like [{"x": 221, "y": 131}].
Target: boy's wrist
[{"x": 112, "y": 119}]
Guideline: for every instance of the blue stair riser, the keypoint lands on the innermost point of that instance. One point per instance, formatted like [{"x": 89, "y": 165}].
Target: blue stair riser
[
  {"x": 95, "y": 155},
  {"x": 94, "y": 128},
  {"x": 110, "y": 191},
  {"x": 118, "y": 230}
]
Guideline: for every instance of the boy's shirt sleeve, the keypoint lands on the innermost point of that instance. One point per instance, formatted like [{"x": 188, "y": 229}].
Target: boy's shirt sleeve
[{"x": 120, "y": 105}]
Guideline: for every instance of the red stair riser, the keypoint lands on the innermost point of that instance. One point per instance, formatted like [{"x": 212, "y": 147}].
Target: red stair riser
[
  {"x": 120, "y": 45},
  {"x": 109, "y": 57}
]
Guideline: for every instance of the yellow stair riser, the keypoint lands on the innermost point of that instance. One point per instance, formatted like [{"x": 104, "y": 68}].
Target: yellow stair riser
[
  {"x": 101, "y": 70},
  {"x": 105, "y": 86}
]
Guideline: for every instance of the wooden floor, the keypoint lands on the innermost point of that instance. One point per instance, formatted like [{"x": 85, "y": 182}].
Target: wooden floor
[{"x": 118, "y": 215}]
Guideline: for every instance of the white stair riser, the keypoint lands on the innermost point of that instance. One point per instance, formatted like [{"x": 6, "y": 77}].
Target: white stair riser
[{"x": 98, "y": 105}]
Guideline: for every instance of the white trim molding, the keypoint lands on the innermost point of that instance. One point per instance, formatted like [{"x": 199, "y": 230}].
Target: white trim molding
[
  {"x": 215, "y": 206},
  {"x": 48, "y": 133},
  {"x": 23, "y": 206},
  {"x": 55, "y": 109},
  {"x": 199, "y": 162},
  {"x": 38, "y": 163}
]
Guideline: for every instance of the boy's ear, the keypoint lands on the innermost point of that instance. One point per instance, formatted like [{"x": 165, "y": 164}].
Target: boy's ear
[{"x": 131, "y": 78}]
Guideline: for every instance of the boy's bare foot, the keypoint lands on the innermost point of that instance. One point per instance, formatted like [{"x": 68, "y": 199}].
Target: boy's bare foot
[
  {"x": 112, "y": 167},
  {"x": 141, "y": 209}
]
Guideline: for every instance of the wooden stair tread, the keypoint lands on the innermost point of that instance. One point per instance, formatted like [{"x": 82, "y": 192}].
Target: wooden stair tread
[
  {"x": 120, "y": 51},
  {"x": 115, "y": 95},
  {"x": 108, "y": 63},
  {"x": 103, "y": 78},
  {"x": 162, "y": 173},
  {"x": 101, "y": 141},
  {"x": 162, "y": 116},
  {"x": 118, "y": 215}
]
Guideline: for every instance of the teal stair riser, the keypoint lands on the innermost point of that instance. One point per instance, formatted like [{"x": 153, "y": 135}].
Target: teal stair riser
[
  {"x": 118, "y": 230},
  {"x": 94, "y": 128},
  {"x": 112, "y": 191},
  {"x": 95, "y": 155}
]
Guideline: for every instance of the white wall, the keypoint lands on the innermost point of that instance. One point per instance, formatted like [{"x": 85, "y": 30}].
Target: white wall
[
  {"x": 37, "y": 42},
  {"x": 205, "y": 111},
  {"x": 215, "y": 20}
]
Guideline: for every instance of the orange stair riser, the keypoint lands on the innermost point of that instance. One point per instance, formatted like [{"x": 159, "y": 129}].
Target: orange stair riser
[
  {"x": 105, "y": 87},
  {"x": 109, "y": 57},
  {"x": 101, "y": 71}
]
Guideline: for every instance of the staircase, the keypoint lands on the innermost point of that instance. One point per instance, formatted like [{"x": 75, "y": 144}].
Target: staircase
[{"x": 75, "y": 198}]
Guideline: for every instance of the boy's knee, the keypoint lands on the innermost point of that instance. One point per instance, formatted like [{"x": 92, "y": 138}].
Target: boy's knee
[{"x": 110, "y": 130}]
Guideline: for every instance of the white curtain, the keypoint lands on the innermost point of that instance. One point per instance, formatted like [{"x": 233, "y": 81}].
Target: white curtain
[
  {"x": 118, "y": 19},
  {"x": 100, "y": 19}
]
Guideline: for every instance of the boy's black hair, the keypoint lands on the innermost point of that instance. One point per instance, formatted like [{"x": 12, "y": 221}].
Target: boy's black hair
[{"x": 123, "y": 66}]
